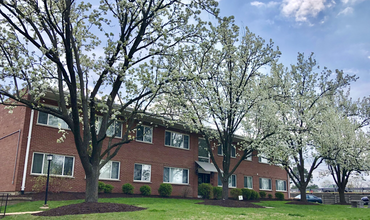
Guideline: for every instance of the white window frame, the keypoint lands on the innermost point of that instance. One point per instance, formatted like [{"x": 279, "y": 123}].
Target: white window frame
[
  {"x": 151, "y": 137},
  {"x": 231, "y": 153},
  {"x": 150, "y": 176},
  {"x": 116, "y": 121},
  {"x": 261, "y": 159},
  {"x": 45, "y": 161},
  {"x": 183, "y": 139},
  {"x": 251, "y": 181},
  {"x": 170, "y": 174},
  {"x": 230, "y": 181},
  {"x": 62, "y": 123},
  {"x": 249, "y": 157},
  {"x": 207, "y": 158},
  {"x": 260, "y": 184},
  {"x": 276, "y": 185},
  {"x": 119, "y": 171}
]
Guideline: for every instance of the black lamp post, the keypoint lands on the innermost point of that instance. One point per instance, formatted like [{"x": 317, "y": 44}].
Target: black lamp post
[{"x": 49, "y": 157}]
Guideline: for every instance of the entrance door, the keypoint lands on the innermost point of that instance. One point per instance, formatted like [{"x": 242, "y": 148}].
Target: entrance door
[{"x": 204, "y": 178}]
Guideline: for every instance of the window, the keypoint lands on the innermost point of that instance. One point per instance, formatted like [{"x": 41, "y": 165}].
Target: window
[
  {"x": 280, "y": 185},
  {"x": 248, "y": 182},
  {"x": 144, "y": 134},
  {"x": 174, "y": 139},
  {"x": 219, "y": 150},
  {"x": 265, "y": 184},
  {"x": 232, "y": 181},
  {"x": 110, "y": 171},
  {"x": 142, "y": 172},
  {"x": 261, "y": 159},
  {"x": 203, "y": 154},
  {"x": 248, "y": 157},
  {"x": 114, "y": 129},
  {"x": 60, "y": 165},
  {"x": 175, "y": 175},
  {"x": 51, "y": 120},
  {"x": 233, "y": 151}
]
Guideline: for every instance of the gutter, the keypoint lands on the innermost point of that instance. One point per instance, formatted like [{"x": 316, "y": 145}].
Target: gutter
[{"x": 27, "y": 152}]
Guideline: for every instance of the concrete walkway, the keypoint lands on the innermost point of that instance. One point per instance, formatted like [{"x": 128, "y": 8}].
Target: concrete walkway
[{"x": 21, "y": 213}]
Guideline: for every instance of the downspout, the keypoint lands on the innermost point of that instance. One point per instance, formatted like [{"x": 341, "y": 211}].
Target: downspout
[{"x": 27, "y": 152}]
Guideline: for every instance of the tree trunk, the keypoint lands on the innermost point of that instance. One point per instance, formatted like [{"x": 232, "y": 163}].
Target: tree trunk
[
  {"x": 225, "y": 189},
  {"x": 342, "y": 198},
  {"x": 303, "y": 194},
  {"x": 92, "y": 185}
]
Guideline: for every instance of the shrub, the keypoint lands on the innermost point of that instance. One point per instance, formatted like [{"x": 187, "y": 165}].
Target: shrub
[
  {"x": 246, "y": 194},
  {"x": 101, "y": 186},
  {"x": 165, "y": 189},
  {"x": 108, "y": 188},
  {"x": 217, "y": 192},
  {"x": 205, "y": 190},
  {"x": 279, "y": 195},
  {"x": 254, "y": 195},
  {"x": 145, "y": 190},
  {"x": 235, "y": 193},
  {"x": 128, "y": 188},
  {"x": 270, "y": 196},
  {"x": 263, "y": 194}
]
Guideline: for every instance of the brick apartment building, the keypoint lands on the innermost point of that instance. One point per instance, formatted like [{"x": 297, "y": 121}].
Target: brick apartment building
[{"x": 170, "y": 155}]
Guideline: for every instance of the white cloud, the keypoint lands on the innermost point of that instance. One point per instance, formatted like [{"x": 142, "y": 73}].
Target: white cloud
[
  {"x": 302, "y": 9},
  {"x": 261, "y": 4},
  {"x": 368, "y": 57},
  {"x": 346, "y": 11},
  {"x": 351, "y": 2}
]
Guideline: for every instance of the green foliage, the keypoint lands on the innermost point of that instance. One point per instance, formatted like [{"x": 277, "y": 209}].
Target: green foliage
[
  {"x": 165, "y": 189},
  {"x": 101, "y": 186},
  {"x": 108, "y": 188},
  {"x": 128, "y": 189},
  {"x": 269, "y": 196},
  {"x": 262, "y": 194},
  {"x": 254, "y": 195},
  {"x": 279, "y": 195},
  {"x": 246, "y": 194},
  {"x": 145, "y": 190},
  {"x": 235, "y": 193},
  {"x": 205, "y": 190},
  {"x": 217, "y": 192}
]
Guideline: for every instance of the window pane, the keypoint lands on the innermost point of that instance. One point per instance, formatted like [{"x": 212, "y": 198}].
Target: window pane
[
  {"x": 43, "y": 118},
  {"x": 185, "y": 176},
  {"x": 146, "y": 170},
  {"x": 137, "y": 172},
  {"x": 139, "y": 133},
  {"x": 177, "y": 140},
  {"x": 148, "y": 134},
  {"x": 233, "y": 151},
  {"x": 168, "y": 138},
  {"x": 56, "y": 165},
  {"x": 219, "y": 181},
  {"x": 175, "y": 175},
  {"x": 110, "y": 130},
  {"x": 115, "y": 169},
  {"x": 219, "y": 149},
  {"x": 202, "y": 148},
  {"x": 233, "y": 180},
  {"x": 166, "y": 175},
  {"x": 68, "y": 165},
  {"x": 105, "y": 171},
  {"x": 53, "y": 121},
  {"x": 186, "y": 141},
  {"x": 248, "y": 182},
  {"x": 118, "y": 128},
  {"x": 37, "y": 163}
]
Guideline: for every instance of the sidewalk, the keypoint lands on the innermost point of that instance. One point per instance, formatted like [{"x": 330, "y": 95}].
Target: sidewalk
[{"x": 21, "y": 213}]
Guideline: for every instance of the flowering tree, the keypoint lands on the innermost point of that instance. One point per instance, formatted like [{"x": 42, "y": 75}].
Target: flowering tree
[
  {"x": 345, "y": 145},
  {"x": 90, "y": 57},
  {"x": 307, "y": 94},
  {"x": 227, "y": 93}
]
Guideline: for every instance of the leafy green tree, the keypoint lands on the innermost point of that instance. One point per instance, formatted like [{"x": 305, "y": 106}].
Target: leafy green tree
[{"x": 89, "y": 58}]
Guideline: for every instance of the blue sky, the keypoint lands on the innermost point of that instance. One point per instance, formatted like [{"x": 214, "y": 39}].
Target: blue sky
[{"x": 337, "y": 31}]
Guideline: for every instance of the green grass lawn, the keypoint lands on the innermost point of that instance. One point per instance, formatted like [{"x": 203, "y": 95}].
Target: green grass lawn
[{"x": 187, "y": 209}]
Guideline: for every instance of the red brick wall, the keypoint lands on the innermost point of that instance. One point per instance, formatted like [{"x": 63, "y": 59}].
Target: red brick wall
[
  {"x": 10, "y": 123},
  {"x": 155, "y": 154}
]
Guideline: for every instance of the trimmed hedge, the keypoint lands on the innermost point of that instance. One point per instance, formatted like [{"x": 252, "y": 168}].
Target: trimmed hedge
[
  {"x": 108, "y": 188},
  {"x": 279, "y": 195},
  {"x": 217, "y": 192},
  {"x": 247, "y": 193},
  {"x": 235, "y": 193},
  {"x": 165, "y": 189},
  {"x": 205, "y": 190},
  {"x": 145, "y": 190},
  {"x": 254, "y": 195},
  {"x": 101, "y": 186},
  {"x": 128, "y": 189},
  {"x": 262, "y": 194},
  {"x": 270, "y": 196}
]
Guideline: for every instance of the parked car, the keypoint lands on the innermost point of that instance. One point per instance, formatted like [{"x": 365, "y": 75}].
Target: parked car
[
  {"x": 365, "y": 199},
  {"x": 310, "y": 198},
  {"x": 333, "y": 188}
]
